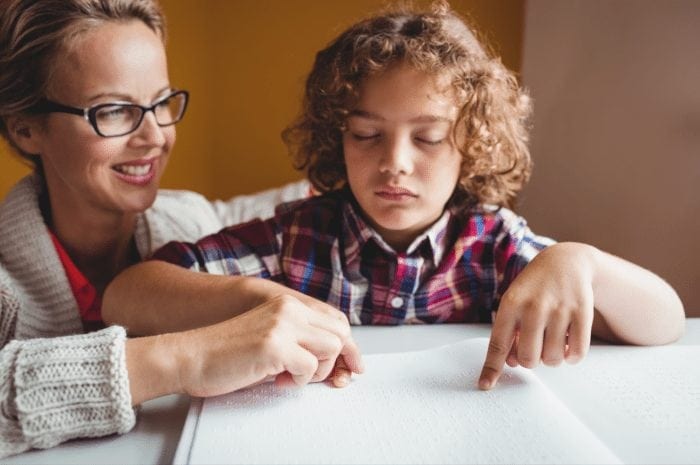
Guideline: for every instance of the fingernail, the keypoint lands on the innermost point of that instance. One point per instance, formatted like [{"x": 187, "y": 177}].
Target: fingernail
[
  {"x": 484, "y": 384},
  {"x": 341, "y": 381}
]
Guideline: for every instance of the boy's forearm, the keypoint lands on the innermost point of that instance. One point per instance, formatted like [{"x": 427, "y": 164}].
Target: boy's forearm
[
  {"x": 156, "y": 297},
  {"x": 637, "y": 306}
]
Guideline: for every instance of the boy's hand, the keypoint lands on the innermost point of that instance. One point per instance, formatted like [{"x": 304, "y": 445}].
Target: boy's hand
[{"x": 546, "y": 314}]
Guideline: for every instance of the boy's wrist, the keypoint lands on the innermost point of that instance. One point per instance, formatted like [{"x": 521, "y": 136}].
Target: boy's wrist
[
  {"x": 589, "y": 258},
  {"x": 583, "y": 255}
]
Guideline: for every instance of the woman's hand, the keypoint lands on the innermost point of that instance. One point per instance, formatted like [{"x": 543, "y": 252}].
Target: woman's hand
[{"x": 282, "y": 338}]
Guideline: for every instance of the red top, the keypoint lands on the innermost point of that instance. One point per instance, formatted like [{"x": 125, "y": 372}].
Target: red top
[{"x": 86, "y": 296}]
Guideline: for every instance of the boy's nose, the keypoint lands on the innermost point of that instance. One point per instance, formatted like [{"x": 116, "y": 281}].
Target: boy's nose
[{"x": 397, "y": 157}]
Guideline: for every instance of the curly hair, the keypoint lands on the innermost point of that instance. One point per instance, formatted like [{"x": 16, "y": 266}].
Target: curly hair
[
  {"x": 491, "y": 128},
  {"x": 34, "y": 33}
]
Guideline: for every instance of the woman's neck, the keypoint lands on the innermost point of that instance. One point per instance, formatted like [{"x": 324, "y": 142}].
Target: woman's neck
[{"x": 100, "y": 243}]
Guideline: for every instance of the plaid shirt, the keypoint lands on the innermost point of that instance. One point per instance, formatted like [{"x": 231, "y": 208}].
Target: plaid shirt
[{"x": 456, "y": 271}]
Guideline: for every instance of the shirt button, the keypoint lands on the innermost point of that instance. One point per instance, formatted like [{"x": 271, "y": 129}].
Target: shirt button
[{"x": 396, "y": 302}]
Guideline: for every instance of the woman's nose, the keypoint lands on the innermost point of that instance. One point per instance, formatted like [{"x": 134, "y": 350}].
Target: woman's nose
[{"x": 149, "y": 131}]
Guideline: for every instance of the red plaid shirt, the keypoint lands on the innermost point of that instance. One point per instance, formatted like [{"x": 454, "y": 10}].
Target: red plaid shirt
[{"x": 454, "y": 272}]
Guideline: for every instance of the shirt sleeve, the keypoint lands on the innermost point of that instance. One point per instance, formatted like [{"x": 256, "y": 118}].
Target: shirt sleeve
[
  {"x": 515, "y": 246},
  {"x": 249, "y": 249},
  {"x": 56, "y": 389}
]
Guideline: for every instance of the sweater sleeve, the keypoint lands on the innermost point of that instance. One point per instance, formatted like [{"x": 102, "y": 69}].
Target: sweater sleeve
[
  {"x": 56, "y": 389},
  {"x": 187, "y": 216},
  {"x": 261, "y": 204}
]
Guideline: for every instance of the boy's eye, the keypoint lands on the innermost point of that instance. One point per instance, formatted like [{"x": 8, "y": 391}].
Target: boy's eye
[
  {"x": 427, "y": 141},
  {"x": 363, "y": 136}
]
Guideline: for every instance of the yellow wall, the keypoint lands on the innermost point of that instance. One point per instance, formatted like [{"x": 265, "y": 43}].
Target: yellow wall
[
  {"x": 11, "y": 169},
  {"x": 244, "y": 62}
]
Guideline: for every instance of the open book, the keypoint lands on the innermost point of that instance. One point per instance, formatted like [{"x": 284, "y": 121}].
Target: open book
[{"x": 621, "y": 405}]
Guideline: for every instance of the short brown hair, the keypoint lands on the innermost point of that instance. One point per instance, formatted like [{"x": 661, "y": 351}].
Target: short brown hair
[
  {"x": 493, "y": 114},
  {"x": 34, "y": 32}
]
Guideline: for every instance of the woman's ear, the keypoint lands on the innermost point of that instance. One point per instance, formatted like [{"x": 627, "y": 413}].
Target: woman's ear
[{"x": 25, "y": 133}]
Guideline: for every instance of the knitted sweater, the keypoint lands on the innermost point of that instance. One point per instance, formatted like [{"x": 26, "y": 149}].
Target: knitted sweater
[{"x": 56, "y": 383}]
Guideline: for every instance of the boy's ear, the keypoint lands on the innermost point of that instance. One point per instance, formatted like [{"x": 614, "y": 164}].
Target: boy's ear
[{"x": 24, "y": 133}]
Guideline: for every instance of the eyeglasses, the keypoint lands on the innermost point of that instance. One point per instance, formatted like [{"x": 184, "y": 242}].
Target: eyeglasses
[{"x": 118, "y": 119}]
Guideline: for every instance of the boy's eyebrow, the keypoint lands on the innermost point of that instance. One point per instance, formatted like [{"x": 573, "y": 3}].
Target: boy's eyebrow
[
  {"x": 366, "y": 115},
  {"x": 417, "y": 119}
]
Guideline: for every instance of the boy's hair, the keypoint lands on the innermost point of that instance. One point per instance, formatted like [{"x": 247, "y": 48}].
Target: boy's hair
[
  {"x": 34, "y": 33},
  {"x": 493, "y": 110}
]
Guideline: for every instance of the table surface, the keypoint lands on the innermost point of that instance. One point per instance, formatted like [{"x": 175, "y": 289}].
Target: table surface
[{"x": 160, "y": 421}]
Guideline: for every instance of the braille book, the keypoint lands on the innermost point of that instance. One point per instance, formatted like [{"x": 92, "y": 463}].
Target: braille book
[{"x": 620, "y": 405}]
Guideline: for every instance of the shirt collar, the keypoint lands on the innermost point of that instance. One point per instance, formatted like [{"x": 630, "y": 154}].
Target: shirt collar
[
  {"x": 357, "y": 233},
  {"x": 83, "y": 290}
]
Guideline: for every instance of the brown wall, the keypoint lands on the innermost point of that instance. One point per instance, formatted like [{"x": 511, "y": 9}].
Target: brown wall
[
  {"x": 616, "y": 141},
  {"x": 244, "y": 62}
]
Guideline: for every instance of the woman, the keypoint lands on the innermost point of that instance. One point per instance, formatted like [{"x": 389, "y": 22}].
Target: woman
[{"x": 85, "y": 97}]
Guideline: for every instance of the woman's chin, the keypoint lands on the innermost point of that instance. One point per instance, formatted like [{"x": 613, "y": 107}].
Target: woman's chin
[{"x": 138, "y": 203}]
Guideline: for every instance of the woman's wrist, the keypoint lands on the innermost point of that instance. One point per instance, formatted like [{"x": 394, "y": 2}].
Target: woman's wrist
[
  {"x": 252, "y": 292},
  {"x": 153, "y": 364}
]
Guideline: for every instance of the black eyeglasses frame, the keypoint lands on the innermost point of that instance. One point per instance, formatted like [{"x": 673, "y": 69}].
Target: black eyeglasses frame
[{"x": 90, "y": 113}]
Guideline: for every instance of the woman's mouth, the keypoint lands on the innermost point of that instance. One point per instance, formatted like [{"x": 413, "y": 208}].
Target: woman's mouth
[
  {"x": 139, "y": 173},
  {"x": 133, "y": 170}
]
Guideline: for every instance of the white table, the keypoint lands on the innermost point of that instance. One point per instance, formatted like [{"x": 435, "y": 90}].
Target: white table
[{"x": 156, "y": 435}]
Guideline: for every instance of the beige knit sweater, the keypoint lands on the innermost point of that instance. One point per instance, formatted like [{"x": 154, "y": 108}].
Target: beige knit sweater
[{"x": 56, "y": 383}]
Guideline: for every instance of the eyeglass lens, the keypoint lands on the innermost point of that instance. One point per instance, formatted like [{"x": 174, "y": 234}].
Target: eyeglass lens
[{"x": 118, "y": 118}]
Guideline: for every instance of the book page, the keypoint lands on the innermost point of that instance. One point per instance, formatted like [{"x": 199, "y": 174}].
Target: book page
[
  {"x": 412, "y": 407},
  {"x": 643, "y": 402}
]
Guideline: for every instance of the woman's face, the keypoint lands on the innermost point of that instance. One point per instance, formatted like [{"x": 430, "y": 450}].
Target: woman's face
[{"x": 114, "y": 62}]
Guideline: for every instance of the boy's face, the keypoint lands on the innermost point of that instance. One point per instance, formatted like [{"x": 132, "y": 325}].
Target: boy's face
[{"x": 400, "y": 156}]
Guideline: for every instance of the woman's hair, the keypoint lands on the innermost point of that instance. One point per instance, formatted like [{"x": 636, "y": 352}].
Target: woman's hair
[
  {"x": 33, "y": 35},
  {"x": 491, "y": 128}
]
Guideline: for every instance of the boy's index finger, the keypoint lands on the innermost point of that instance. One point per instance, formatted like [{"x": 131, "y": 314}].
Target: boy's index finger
[{"x": 500, "y": 345}]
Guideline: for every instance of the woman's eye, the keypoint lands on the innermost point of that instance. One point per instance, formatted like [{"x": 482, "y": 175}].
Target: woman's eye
[
  {"x": 112, "y": 113},
  {"x": 164, "y": 103}
]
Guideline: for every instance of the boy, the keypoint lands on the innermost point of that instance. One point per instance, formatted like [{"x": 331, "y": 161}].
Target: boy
[{"x": 417, "y": 139}]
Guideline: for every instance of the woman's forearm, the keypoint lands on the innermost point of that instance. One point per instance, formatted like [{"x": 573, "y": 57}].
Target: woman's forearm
[{"x": 282, "y": 338}]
